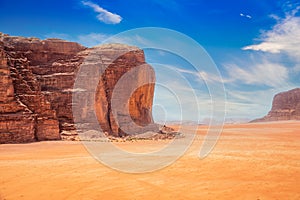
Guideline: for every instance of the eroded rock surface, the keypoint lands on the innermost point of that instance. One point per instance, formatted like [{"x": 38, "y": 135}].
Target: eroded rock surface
[
  {"x": 26, "y": 115},
  {"x": 37, "y": 83},
  {"x": 285, "y": 106},
  {"x": 125, "y": 90}
]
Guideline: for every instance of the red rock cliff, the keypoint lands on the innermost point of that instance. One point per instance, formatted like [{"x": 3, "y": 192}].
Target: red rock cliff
[
  {"x": 124, "y": 95},
  {"x": 36, "y": 120},
  {"x": 285, "y": 106},
  {"x": 37, "y": 79}
]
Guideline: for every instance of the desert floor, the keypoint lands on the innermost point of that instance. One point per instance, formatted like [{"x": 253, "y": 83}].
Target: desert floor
[{"x": 250, "y": 161}]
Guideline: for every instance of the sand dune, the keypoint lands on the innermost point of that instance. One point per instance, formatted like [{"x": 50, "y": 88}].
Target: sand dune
[{"x": 250, "y": 161}]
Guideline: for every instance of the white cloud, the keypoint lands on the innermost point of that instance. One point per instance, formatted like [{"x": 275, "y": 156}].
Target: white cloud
[
  {"x": 92, "y": 39},
  {"x": 247, "y": 16},
  {"x": 262, "y": 73},
  {"x": 284, "y": 37},
  {"x": 104, "y": 15},
  {"x": 213, "y": 78},
  {"x": 203, "y": 75}
]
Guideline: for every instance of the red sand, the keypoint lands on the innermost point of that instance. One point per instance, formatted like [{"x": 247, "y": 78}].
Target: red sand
[{"x": 250, "y": 161}]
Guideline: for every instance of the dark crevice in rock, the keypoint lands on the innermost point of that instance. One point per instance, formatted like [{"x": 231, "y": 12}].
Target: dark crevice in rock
[{"x": 108, "y": 114}]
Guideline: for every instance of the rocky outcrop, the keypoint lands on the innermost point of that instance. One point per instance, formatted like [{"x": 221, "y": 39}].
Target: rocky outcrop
[
  {"x": 115, "y": 84},
  {"x": 120, "y": 103},
  {"x": 37, "y": 85},
  {"x": 26, "y": 115},
  {"x": 13, "y": 114},
  {"x": 285, "y": 106}
]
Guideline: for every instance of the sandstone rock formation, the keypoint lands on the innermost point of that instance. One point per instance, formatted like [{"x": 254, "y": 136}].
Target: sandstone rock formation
[
  {"x": 25, "y": 114},
  {"x": 13, "y": 114},
  {"x": 122, "y": 107},
  {"x": 37, "y": 83},
  {"x": 285, "y": 106}
]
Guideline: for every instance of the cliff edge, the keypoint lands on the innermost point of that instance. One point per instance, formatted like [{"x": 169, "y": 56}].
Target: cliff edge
[
  {"x": 37, "y": 84},
  {"x": 285, "y": 106}
]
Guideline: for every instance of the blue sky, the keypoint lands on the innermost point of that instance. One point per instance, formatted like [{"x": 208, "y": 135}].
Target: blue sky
[{"x": 254, "y": 43}]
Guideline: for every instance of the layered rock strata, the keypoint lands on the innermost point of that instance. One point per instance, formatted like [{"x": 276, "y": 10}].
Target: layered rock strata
[
  {"x": 25, "y": 114},
  {"x": 37, "y": 85},
  {"x": 285, "y": 106}
]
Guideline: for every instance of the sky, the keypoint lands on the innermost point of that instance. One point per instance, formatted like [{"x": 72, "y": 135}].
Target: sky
[{"x": 254, "y": 45}]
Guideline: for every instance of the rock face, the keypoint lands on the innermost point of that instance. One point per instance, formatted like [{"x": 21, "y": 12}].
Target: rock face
[
  {"x": 285, "y": 106},
  {"x": 120, "y": 103},
  {"x": 25, "y": 114},
  {"x": 13, "y": 114},
  {"x": 37, "y": 84}
]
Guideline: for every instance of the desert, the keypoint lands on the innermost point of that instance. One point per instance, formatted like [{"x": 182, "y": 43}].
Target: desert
[
  {"x": 156, "y": 99},
  {"x": 250, "y": 161}
]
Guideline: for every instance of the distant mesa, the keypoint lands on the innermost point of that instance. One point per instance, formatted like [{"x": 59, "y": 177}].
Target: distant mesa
[
  {"x": 36, "y": 87},
  {"x": 285, "y": 106}
]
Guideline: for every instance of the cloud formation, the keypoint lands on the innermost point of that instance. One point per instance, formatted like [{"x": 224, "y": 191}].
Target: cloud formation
[
  {"x": 92, "y": 39},
  {"x": 104, "y": 15},
  {"x": 247, "y": 16},
  {"x": 203, "y": 75},
  {"x": 264, "y": 73},
  {"x": 284, "y": 37}
]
